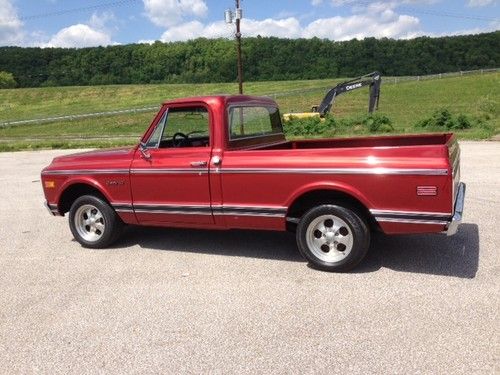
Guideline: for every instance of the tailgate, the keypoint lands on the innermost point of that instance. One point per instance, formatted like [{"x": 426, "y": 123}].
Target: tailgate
[{"x": 454, "y": 156}]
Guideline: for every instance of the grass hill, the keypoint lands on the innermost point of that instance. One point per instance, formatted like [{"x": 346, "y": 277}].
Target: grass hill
[{"x": 405, "y": 103}]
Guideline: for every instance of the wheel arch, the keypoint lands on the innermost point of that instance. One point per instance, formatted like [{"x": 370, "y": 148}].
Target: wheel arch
[
  {"x": 315, "y": 195},
  {"x": 75, "y": 189}
]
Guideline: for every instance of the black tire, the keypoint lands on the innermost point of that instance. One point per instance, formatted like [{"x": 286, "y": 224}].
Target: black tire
[
  {"x": 345, "y": 242},
  {"x": 110, "y": 224}
]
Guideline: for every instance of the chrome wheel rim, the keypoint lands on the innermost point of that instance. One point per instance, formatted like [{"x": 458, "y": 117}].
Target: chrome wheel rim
[
  {"x": 329, "y": 238},
  {"x": 89, "y": 223}
]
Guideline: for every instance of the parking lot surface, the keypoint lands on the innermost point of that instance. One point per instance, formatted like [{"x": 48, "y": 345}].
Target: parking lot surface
[{"x": 193, "y": 301}]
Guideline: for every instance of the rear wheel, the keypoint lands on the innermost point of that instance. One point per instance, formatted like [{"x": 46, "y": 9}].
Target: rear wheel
[
  {"x": 93, "y": 222},
  {"x": 333, "y": 238}
]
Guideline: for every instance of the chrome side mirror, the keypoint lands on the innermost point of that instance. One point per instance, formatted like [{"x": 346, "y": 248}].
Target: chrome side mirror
[{"x": 144, "y": 152}]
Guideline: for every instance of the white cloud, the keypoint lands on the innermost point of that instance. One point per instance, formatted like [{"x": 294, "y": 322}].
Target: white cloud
[
  {"x": 480, "y": 3},
  {"x": 185, "y": 31},
  {"x": 146, "y": 41},
  {"x": 11, "y": 27},
  {"x": 93, "y": 33},
  {"x": 386, "y": 24},
  {"x": 79, "y": 35},
  {"x": 100, "y": 21},
  {"x": 168, "y": 13},
  {"x": 492, "y": 26},
  {"x": 391, "y": 4},
  {"x": 285, "y": 28},
  {"x": 376, "y": 21},
  {"x": 339, "y": 3}
]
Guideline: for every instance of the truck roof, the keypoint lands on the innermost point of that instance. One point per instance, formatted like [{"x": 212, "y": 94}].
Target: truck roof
[{"x": 224, "y": 100}]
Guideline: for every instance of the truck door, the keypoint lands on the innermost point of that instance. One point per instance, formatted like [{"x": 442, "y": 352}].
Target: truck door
[{"x": 169, "y": 173}]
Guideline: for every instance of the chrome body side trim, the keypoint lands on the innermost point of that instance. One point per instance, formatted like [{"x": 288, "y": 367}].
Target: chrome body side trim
[
  {"x": 171, "y": 212},
  {"x": 121, "y": 204},
  {"x": 171, "y": 209},
  {"x": 250, "y": 211},
  {"x": 122, "y": 207},
  {"x": 219, "y": 210},
  {"x": 411, "y": 217},
  {"x": 419, "y": 214},
  {"x": 362, "y": 171},
  {"x": 85, "y": 171},
  {"x": 124, "y": 210},
  {"x": 168, "y": 206},
  {"x": 169, "y": 171},
  {"x": 357, "y": 171},
  {"x": 410, "y": 221},
  {"x": 256, "y": 214}
]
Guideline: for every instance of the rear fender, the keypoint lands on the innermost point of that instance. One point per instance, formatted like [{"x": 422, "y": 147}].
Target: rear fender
[{"x": 328, "y": 185}]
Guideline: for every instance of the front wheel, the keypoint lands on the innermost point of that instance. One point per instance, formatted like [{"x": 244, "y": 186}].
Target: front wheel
[
  {"x": 333, "y": 238},
  {"x": 93, "y": 222}
]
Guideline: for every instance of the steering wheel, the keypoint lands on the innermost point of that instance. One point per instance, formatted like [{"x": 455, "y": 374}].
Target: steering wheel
[{"x": 178, "y": 142}]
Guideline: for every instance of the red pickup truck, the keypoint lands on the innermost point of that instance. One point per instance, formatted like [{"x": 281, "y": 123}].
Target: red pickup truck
[{"x": 223, "y": 162}]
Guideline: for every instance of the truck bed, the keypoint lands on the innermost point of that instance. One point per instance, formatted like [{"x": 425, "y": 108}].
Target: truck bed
[
  {"x": 385, "y": 173},
  {"x": 357, "y": 142}
]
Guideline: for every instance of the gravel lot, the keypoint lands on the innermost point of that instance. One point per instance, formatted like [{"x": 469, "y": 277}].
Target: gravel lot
[{"x": 191, "y": 301}]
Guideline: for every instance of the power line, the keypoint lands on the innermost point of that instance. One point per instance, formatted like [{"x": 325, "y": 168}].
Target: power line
[
  {"x": 77, "y": 10},
  {"x": 448, "y": 14},
  {"x": 434, "y": 12},
  {"x": 129, "y": 2}
]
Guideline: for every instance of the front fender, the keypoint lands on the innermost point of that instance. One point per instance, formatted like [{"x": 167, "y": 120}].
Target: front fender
[{"x": 82, "y": 180}]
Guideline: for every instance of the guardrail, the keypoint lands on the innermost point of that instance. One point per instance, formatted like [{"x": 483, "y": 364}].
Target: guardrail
[
  {"x": 79, "y": 116},
  {"x": 438, "y": 76},
  {"x": 385, "y": 80}
]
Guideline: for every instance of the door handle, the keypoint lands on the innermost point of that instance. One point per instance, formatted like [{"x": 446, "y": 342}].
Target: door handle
[{"x": 199, "y": 164}]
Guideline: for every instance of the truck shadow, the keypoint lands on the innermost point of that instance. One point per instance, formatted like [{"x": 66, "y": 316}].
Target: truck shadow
[
  {"x": 432, "y": 254},
  {"x": 239, "y": 243},
  {"x": 456, "y": 256}
]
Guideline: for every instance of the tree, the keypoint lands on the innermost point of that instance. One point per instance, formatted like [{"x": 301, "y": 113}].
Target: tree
[
  {"x": 264, "y": 59},
  {"x": 7, "y": 80}
]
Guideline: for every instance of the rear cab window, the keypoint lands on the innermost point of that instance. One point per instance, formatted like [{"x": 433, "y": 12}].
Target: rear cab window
[{"x": 254, "y": 125}]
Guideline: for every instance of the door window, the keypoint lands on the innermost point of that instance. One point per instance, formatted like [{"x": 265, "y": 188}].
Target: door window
[{"x": 181, "y": 127}]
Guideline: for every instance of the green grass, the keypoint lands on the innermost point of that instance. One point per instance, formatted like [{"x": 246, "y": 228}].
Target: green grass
[
  {"x": 404, "y": 103},
  {"x": 17, "y": 104}
]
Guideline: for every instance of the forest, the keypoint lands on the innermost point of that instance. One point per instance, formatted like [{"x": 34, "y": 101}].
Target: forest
[{"x": 264, "y": 58}]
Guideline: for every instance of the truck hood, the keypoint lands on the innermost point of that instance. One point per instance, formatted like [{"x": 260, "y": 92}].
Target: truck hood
[
  {"x": 115, "y": 158},
  {"x": 101, "y": 154}
]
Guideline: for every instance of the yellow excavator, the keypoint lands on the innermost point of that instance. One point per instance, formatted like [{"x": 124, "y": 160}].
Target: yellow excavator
[{"x": 373, "y": 80}]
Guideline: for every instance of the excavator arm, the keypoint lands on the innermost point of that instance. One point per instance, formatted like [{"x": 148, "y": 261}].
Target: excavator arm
[{"x": 373, "y": 80}]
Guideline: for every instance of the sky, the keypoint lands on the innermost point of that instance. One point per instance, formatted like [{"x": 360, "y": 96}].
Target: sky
[{"x": 76, "y": 23}]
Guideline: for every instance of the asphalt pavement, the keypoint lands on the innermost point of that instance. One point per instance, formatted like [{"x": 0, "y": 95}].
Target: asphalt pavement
[{"x": 193, "y": 301}]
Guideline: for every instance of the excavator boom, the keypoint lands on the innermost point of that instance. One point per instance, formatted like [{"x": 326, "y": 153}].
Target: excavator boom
[{"x": 373, "y": 80}]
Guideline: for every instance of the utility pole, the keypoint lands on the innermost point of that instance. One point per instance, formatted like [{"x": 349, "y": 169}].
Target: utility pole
[
  {"x": 238, "y": 46},
  {"x": 238, "y": 15}
]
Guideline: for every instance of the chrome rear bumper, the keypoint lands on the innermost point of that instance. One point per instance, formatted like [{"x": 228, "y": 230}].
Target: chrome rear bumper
[{"x": 458, "y": 211}]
